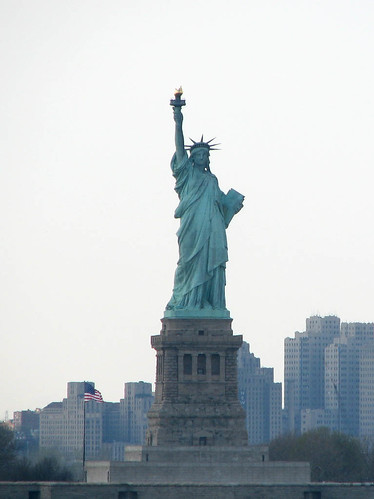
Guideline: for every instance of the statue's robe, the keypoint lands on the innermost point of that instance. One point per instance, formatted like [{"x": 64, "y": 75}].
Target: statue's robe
[{"x": 200, "y": 275}]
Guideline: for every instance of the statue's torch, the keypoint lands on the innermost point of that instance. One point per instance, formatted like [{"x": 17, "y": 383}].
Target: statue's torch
[{"x": 178, "y": 102}]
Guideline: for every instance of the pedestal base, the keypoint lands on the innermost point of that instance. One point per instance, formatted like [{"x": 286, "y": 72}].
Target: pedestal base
[
  {"x": 196, "y": 399},
  {"x": 208, "y": 465}
]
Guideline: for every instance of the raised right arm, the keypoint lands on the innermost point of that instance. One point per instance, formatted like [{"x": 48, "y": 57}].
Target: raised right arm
[{"x": 179, "y": 139}]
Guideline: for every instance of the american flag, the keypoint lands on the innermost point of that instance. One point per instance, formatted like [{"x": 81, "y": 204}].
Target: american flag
[{"x": 90, "y": 393}]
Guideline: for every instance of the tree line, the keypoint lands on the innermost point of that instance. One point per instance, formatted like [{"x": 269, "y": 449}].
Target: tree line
[
  {"x": 333, "y": 456},
  {"x": 15, "y": 468}
]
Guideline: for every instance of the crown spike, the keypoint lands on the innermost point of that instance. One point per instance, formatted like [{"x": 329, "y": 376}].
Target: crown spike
[{"x": 207, "y": 145}]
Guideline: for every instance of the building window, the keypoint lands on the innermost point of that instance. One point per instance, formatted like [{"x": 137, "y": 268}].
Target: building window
[
  {"x": 202, "y": 441},
  {"x": 312, "y": 495},
  {"x": 160, "y": 365},
  {"x": 187, "y": 364},
  {"x": 215, "y": 364},
  {"x": 201, "y": 363}
]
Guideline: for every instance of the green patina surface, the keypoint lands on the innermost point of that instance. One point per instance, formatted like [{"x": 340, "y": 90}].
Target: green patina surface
[{"x": 204, "y": 212}]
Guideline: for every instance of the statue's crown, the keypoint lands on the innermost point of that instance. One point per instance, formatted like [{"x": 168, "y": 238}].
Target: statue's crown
[{"x": 206, "y": 145}]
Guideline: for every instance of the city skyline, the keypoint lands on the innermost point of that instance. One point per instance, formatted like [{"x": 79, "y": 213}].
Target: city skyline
[
  {"x": 88, "y": 246},
  {"x": 244, "y": 352}
]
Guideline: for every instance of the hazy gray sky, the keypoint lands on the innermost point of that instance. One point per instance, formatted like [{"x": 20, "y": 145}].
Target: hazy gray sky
[{"x": 87, "y": 235}]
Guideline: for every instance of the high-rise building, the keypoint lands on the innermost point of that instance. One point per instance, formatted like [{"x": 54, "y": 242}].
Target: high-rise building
[
  {"x": 134, "y": 409},
  {"x": 52, "y": 427},
  {"x": 304, "y": 367},
  {"x": 65, "y": 425},
  {"x": 325, "y": 372},
  {"x": 26, "y": 429},
  {"x": 342, "y": 384},
  {"x": 366, "y": 393},
  {"x": 260, "y": 397}
]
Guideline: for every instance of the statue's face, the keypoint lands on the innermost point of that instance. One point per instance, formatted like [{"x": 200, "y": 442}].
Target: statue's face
[{"x": 201, "y": 158}]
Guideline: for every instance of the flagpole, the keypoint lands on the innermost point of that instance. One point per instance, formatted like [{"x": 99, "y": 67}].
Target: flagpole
[
  {"x": 84, "y": 439},
  {"x": 89, "y": 394}
]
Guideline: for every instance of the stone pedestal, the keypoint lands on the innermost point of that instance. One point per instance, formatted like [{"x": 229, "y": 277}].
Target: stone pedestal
[
  {"x": 197, "y": 434},
  {"x": 196, "y": 399}
]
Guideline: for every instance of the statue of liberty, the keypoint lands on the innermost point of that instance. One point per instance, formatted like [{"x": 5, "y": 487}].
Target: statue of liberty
[{"x": 204, "y": 212}]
